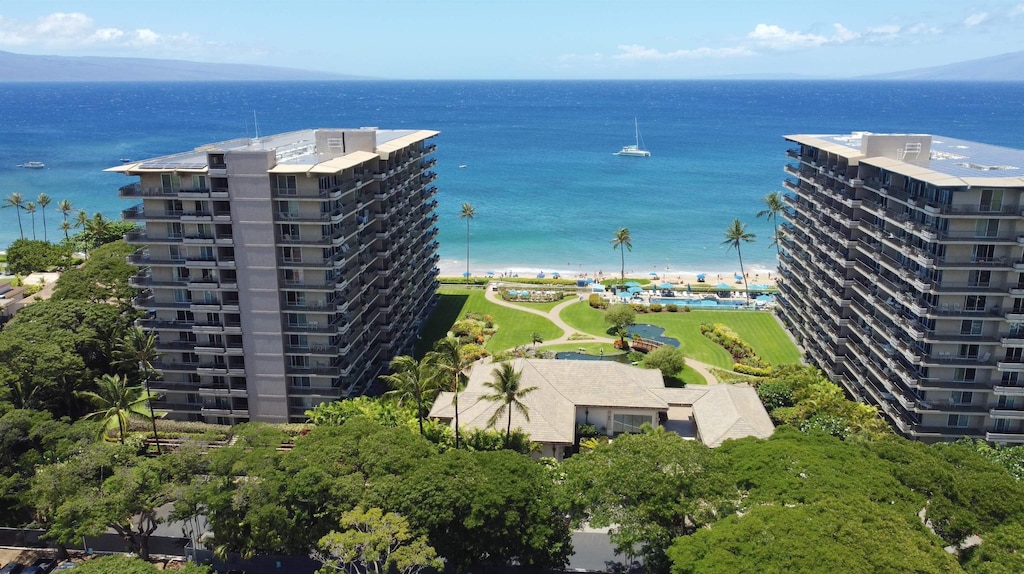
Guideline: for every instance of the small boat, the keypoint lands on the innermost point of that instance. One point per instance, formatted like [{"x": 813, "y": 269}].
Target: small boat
[
  {"x": 33, "y": 165},
  {"x": 462, "y": 166},
  {"x": 634, "y": 150}
]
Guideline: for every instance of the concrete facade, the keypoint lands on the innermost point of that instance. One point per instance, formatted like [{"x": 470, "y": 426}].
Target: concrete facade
[
  {"x": 903, "y": 277},
  {"x": 285, "y": 271}
]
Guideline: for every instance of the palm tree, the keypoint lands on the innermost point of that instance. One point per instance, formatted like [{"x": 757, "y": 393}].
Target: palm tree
[
  {"x": 65, "y": 208},
  {"x": 507, "y": 391},
  {"x": 31, "y": 209},
  {"x": 736, "y": 234},
  {"x": 447, "y": 358},
  {"x": 138, "y": 348},
  {"x": 773, "y": 206},
  {"x": 623, "y": 242},
  {"x": 43, "y": 200},
  {"x": 117, "y": 402},
  {"x": 468, "y": 212},
  {"x": 413, "y": 380},
  {"x": 81, "y": 218},
  {"x": 536, "y": 338},
  {"x": 16, "y": 201},
  {"x": 65, "y": 227}
]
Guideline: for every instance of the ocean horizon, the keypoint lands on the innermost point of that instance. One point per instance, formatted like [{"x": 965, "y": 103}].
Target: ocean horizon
[{"x": 535, "y": 158}]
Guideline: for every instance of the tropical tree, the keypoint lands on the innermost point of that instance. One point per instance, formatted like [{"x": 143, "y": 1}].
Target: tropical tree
[
  {"x": 507, "y": 387},
  {"x": 65, "y": 226},
  {"x": 117, "y": 402},
  {"x": 375, "y": 542},
  {"x": 138, "y": 348},
  {"x": 81, "y": 217},
  {"x": 467, "y": 213},
  {"x": 773, "y": 206},
  {"x": 623, "y": 242},
  {"x": 16, "y": 201},
  {"x": 447, "y": 357},
  {"x": 536, "y": 338},
  {"x": 65, "y": 208},
  {"x": 413, "y": 380},
  {"x": 30, "y": 208},
  {"x": 43, "y": 200},
  {"x": 735, "y": 235}
]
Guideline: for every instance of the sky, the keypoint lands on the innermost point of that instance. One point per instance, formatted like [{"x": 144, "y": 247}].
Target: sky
[{"x": 528, "y": 39}]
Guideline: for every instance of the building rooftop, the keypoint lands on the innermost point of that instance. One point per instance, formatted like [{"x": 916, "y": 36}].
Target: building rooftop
[
  {"x": 295, "y": 152},
  {"x": 949, "y": 161}
]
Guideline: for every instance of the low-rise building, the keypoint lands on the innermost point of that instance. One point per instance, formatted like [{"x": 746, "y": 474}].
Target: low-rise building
[{"x": 610, "y": 396}]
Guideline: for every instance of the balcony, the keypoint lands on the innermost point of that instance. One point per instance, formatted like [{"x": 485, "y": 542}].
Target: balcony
[
  {"x": 1004, "y": 437},
  {"x": 1013, "y": 414}
]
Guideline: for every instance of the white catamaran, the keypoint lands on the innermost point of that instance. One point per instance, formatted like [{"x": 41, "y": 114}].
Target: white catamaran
[{"x": 634, "y": 150}]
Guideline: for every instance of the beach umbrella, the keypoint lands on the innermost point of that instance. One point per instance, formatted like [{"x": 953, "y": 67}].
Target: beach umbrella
[
  {"x": 665, "y": 286},
  {"x": 738, "y": 277},
  {"x": 701, "y": 277},
  {"x": 653, "y": 273},
  {"x": 540, "y": 275},
  {"x": 589, "y": 281},
  {"x": 723, "y": 287},
  {"x": 688, "y": 288},
  {"x": 466, "y": 273},
  {"x": 635, "y": 290},
  {"x": 598, "y": 288},
  {"x": 490, "y": 272},
  {"x": 632, "y": 284}
]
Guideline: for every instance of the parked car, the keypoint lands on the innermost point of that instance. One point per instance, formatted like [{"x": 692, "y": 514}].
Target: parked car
[
  {"x": 11, "y": 568},
  {"x": 45, "y": 565}
]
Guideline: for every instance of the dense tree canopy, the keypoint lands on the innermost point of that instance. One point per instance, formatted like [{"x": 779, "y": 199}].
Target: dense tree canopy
[{"x": 26, "y": 256}]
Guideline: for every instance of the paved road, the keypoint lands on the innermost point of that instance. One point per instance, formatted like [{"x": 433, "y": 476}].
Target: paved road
[{"x": 554, "y": 315}]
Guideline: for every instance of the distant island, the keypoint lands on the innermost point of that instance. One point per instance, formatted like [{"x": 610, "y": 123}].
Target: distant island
[
  {"x": 1002, "y": 68},
  {"x": 29, "y": 68}
]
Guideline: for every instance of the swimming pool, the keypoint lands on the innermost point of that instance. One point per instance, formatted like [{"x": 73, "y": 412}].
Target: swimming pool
[{"x": 708, "y": 303}]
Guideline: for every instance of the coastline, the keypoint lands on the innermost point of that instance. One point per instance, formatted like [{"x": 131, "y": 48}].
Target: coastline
[{"x": 721, "y": 273}]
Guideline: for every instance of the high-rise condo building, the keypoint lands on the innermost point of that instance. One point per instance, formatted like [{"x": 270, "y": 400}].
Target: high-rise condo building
[
  {"x": 903, "y": 277},
  {"x": 284, "y": 271}
]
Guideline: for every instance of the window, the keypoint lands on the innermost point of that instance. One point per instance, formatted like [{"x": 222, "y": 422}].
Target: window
[
  {"x": 968, "y": 352},
  {"x": 1006, "y": 402},
  {"x": 984, "y": 253},
  {"x": 991, "y": 200},
  {"x": 979, "y": 278},
  {"x": 1016, "y": 330},
  {"x": 1013, "y": 355},
  {"x": 986, "y": 228},
  {"x": 975, "y": 302},
  {"x": 959, "y": 421},
  {"x": 285, "y": 185},
  {"x": 182, "y": 296},
  {"x": 1011, "y": 379},
  {"x": 175, "y": 230},
  {"x": 300, "y": 381},
  {"x": 173, "y": 206},
  {"x": 198, "y": 182},
  {"x": 289, "y": 231},
  {"x": 628, "y": 423},
  {"x": 972, "y": 328},
  {"x": 1000, "y": 425},
  {"x": 170, "y": 182},
  {"x": 298, "y": 340},
  {"x": 295, "y": 298},
  {"x": 287, "y": 210},
  {"x": 962, "y": 375},
  {"x": 206, "y": 253},
  {"x": 298, "y": 361},
  {"x": 204, "y": 230},
  {"x": 961, "y": 398},
  {"x": 291, "y": 255}
]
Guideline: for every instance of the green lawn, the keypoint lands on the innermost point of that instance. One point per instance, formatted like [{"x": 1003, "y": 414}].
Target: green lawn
[
  {"x": 758, "y": 328},
  {"x": 514, "y": 327}
]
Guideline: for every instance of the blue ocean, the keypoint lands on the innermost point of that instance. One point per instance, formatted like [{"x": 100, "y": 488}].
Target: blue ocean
[{"x": 534, "y": 158}]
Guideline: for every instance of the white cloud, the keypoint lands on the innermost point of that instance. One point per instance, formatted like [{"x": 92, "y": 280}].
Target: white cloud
[
  {"x": 844, "y": 34},
  {"x": 975, "y": 19},
  {"x": 776, "y": 37},
  {"x": 923, "y": 29},
  {"x": 68, "y": 31},
  {"x": 642, "y": 53},
  {"x": 1017, "y": 10}
]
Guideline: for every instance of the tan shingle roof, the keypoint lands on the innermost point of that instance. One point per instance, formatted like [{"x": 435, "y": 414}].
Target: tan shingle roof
[{"x": 730, "y": 411}]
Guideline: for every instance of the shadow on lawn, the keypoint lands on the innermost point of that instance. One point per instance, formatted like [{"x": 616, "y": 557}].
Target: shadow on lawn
[{"x": 448, "y": 311}]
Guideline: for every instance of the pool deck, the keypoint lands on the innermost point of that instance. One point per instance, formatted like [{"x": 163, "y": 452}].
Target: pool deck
[{"x": 554, "y": 315}]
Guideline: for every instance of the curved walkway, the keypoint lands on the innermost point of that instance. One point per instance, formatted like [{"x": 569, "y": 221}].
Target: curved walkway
[{"x": 555, "y": 316}]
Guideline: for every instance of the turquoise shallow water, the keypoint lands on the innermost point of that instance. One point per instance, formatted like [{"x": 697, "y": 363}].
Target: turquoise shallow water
[{"x": 538, "y": 159}]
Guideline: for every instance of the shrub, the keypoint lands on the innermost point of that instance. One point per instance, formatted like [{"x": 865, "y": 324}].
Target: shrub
[
  {"x": 635, "y": 356},
  {"x": 775, "y": 394},
  {"x": 655, "y": 308},
  {"x": 671, "y": 307},
  {"x": 639, "y": 307},
  {"x": 667, "y": 359},
  {"x": 750, "y": 370},
  {"x": 597, "y": 302},
  {"x": 741, "y": 352}
]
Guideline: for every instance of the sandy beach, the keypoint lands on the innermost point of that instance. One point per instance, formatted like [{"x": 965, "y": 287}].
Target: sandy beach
[{"x": 758, "y": 275}]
